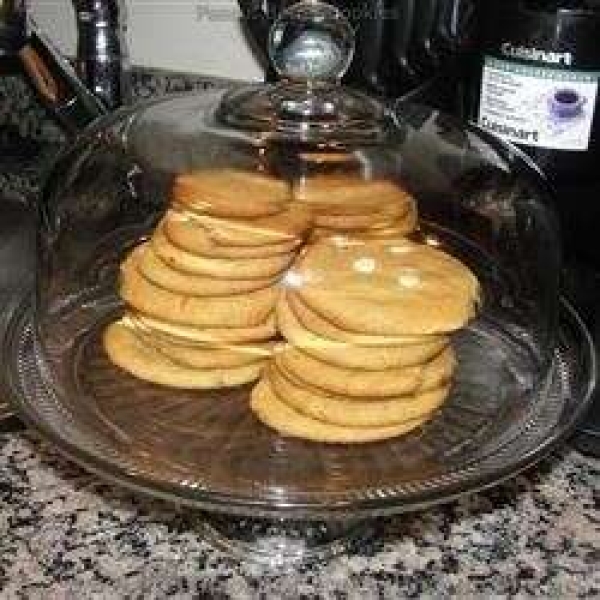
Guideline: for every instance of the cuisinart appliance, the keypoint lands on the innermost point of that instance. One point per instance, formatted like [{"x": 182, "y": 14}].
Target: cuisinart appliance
[{"x": 535, "y": 82}]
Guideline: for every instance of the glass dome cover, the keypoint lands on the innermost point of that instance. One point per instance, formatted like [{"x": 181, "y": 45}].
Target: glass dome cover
[{"x": 292, "y": 298}]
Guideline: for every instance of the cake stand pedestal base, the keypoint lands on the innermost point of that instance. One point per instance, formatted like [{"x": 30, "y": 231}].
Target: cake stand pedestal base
[{"x": 280, "y": 542}]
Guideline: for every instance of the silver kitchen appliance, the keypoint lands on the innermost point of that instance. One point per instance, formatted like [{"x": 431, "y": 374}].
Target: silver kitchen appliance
[{"x": 97, "y": 81}]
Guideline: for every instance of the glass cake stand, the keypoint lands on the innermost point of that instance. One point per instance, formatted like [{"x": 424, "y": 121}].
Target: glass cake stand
[
  {"x": 278, "y": 500},
  {"x": 521, "y": 381}
]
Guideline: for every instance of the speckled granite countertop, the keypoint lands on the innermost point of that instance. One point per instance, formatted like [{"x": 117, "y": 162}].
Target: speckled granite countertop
[{"x": 66, "y": 535}]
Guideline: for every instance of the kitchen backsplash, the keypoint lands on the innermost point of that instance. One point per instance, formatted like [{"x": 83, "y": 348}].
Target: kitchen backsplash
[{"x": 196, "y": 36}]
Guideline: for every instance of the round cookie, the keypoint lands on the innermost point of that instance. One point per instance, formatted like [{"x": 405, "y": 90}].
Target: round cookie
[
  {"x": 348, "y": 382},
  {"x": 277, "y": 415},
  {"x": 353, "y": 356},
  {"x": 351, "y": 194},
  {"x": 288, "y": 225},
  {"x": 222, "y": 268},
  {"x": 386, "y": 287},
  {"x": 158, "y": 272},
  {"x": 189, "y": 235},
  {"x": 338, "y": 410},
  {"x": 324, "y": 328},
  {"x": 336, "y": 218},
  {"x": 217, "y": 356},
  {"x": 395, "y": 228},
  {"x": 131, "y": 354},
  {"x": 398, "y": 228},
  {"x": 438, "y": 371},
  {"x": 203, "y": 335},
  {"x": 231, "y": 193},
  {"x": 241, "y": 310},
  {"x": 361, "y": 384}
]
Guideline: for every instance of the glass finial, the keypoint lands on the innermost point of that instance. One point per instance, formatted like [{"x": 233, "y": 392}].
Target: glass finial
[{"x": 311, "y": 41}]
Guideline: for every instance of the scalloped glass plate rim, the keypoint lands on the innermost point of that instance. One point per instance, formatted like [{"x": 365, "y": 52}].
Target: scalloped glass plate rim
[{"x": 472, "y": 478}]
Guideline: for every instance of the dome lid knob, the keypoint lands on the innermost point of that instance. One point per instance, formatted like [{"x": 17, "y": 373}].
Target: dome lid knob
[{"x": 311, "y": 41}]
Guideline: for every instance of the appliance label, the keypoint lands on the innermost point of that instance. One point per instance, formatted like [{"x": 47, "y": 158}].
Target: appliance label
[{"x": 538, "y": 106}]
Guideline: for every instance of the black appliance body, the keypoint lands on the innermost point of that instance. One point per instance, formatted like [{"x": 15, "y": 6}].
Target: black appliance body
[
  {"x": 538, "y": 46},
  {"x": 534, "y": 81},
  {"x": 403, "y": 48}
]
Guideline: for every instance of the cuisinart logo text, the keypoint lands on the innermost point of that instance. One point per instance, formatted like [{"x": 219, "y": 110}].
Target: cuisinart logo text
[{"x": 535, "y": 54}]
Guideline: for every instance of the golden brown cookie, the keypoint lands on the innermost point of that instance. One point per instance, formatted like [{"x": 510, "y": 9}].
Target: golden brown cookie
[
  {"x": 341, "y": 203},
  {"x": 241, "y": 310},
  {"x": 222, "y": 268},
  {"x": 288, "y": 225},
  {"x": 231, "y": 193},
  {"x": 205, "y": 335},
  {"x": 187, "y": 234},
  {"x": 348, "y": 382},
  {"x": 339, "y": 410},
  {"x": 324, "y": 328},
  {"x": 197, "y": 357},
  {"x": 160, "y": 273},
  {"x": 439, "y": 370},
  {"x": 386, "y": 287},
  {"x": 366, "y": 384},
  {"x": 126, "y": 350},
  {"x": 336, "y": 219},
  {"x": 352, "y": 355},
  {"x": 204, "y": 355},
  {"x": 277, "y": 415},
  {"x": 396, "y": 229},
  {"x": 352, "y": 194}
]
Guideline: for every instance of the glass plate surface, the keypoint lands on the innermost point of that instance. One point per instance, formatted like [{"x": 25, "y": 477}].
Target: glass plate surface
[{"x": 211, "y": 453}]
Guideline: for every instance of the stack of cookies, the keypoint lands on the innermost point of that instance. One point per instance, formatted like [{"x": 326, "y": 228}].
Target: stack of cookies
[
  {"x": 368, "y": 354},
  {"x": 366, "y": 315},
  {"x": 353, "y": 205},
  {"x": 201, "y": 292}
]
